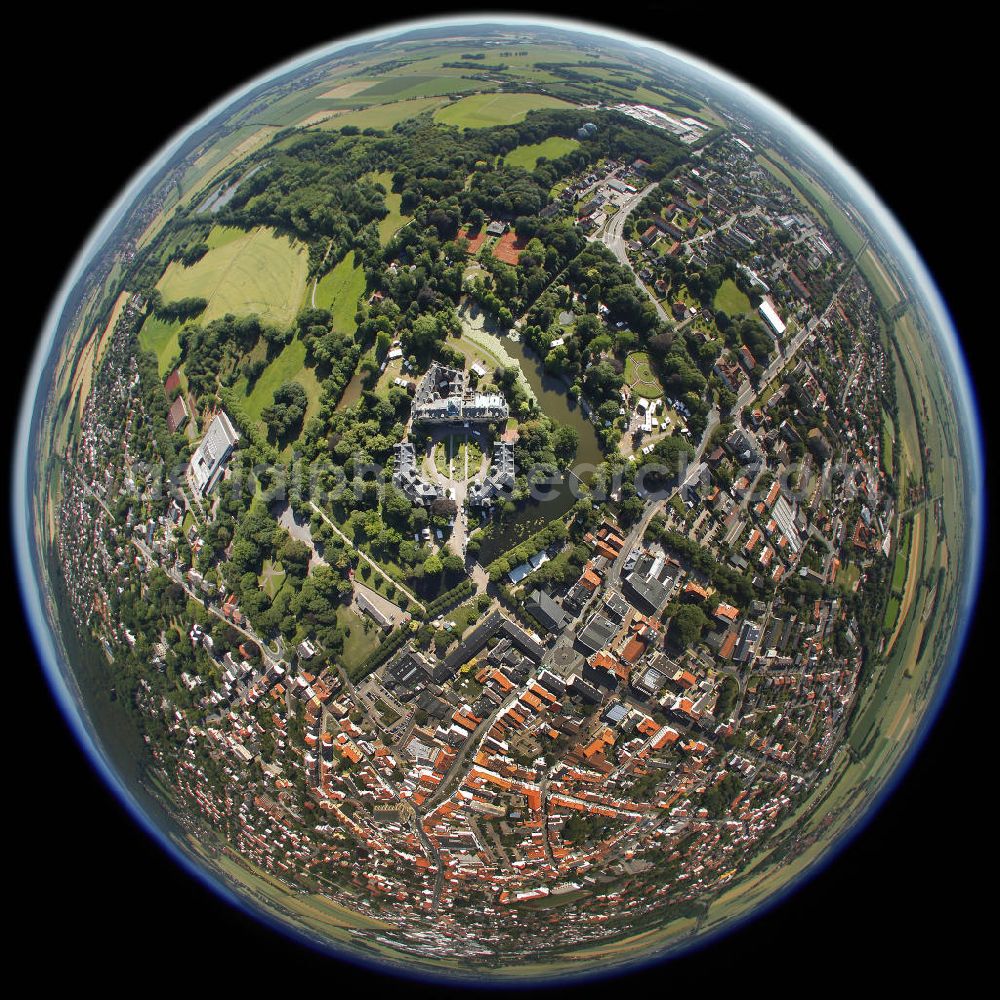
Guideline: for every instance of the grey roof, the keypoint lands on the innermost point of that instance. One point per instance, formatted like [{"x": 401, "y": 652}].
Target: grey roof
[
  {"x": 206, "y": 463},
  {"x": 598, "y": 633},
  {"x": 546, "y": 612}
]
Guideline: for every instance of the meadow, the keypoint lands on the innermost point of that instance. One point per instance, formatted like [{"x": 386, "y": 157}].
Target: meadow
[
  {"x": 256, "y": 272},
  {"x": 731, "y": 300},
  {"x": 339, "y": 290},
  {"x": 161, "y": 337},
  {"x": 528, "y": 156},
  {"x": 486, "y": 110}
]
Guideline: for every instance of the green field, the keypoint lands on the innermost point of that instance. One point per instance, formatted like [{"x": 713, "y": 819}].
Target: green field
[
  {"x": 888, "y": 440},
  {"x": 384, "y": 116},
  {"x": 731, "y": 300},
  {"x": 485, "y": 110},
  {"x": 255, "y": 272},
  {"x": 339, "y": 290},
  {"x": 898, "y": 576},
  {"x": 358, "y": 644},
  {"x": 639, "y": 375},
  {"x": 272, "y": 578},
  {"x": 395, "y": 220},
  {"x": 161, "y": 337},
  {"x": 417, "y": 85},
  {"x": 529, "y": 155},
  {"x": 288, "y": 366},
  {"x": 876, "y": 276}
]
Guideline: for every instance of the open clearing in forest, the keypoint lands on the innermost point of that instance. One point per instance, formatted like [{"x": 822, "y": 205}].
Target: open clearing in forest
[
  {"x": 256, "y": 272},
  {"x": 485, "y": 110}
]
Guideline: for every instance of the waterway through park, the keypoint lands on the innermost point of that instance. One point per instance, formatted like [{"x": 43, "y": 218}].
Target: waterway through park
[{"x": 557, "y": 404}]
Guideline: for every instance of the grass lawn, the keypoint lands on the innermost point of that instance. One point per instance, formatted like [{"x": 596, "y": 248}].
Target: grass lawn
[
  {"x": 848, "y": 576},
  {"x": 272, "y": 578},
  {"x": 160, "y": 337},
  {"x": 731, "y": 300},
  {"x": 485, "y": 110},
  {"x": 358, "y": 644},
  {"x": 255, "y": 272},
  {"x": 288, "y": 366},
  {"x": 528, "y": 156},
  {"x": 463, "y": 616},
  {"x": 339, "y": 290},
  {"x": 395, "y": 220},
  {"x": 639, "y": 375},
  {"x": 443, "y": 451}
]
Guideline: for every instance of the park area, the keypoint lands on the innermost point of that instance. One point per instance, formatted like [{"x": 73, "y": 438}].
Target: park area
[
  {"x": 487, "y": 110},
  {"x": 288, "y": 366},
  {"x": 242, "y": 273},
  {"x": 639, "y": 376}
]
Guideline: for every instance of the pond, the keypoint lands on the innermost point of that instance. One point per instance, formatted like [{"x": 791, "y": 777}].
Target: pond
[{"x": 559, "y": 406}]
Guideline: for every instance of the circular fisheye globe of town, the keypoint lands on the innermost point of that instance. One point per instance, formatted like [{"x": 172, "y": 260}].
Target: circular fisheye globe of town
[{"x": 498, "y": 501}]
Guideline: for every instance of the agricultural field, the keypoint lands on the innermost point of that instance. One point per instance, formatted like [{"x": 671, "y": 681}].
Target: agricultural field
[
  {"x": 416, "y": 85},
  {"x": 486, "y": 110},
  {"x": 528, "y": 156},
  {"x": 876, "y": 275},
  {"x": 339, "y": 291},
  {"x": 899, "y": 575},
  {"x": 257, "y": 272},
  {"x": 383, "y": 116}
]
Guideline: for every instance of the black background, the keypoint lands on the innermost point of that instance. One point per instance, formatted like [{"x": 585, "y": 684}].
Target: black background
[{"x": 899, "y": 99}]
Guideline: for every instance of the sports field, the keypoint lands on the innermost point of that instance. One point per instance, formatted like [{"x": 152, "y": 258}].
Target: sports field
[
  {"x": 485, "y": 110},
  {"x": 529, "y": 155},
  {"x": 256, "y": 272},
  {"x": 339, "y": 290}
]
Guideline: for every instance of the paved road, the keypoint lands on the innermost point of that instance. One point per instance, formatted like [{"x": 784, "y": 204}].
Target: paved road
[
  {"x": 267, "y": 656},
  {"x": 639, "y": 529},
  {"x": 457, "y": 769},
  {"x": 612, "y": 237}
]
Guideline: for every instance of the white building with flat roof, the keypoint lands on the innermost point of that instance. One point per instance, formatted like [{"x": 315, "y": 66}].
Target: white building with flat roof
[
  {"x": 770, "y": 314},
  {"x": 211, "y": 455}
]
